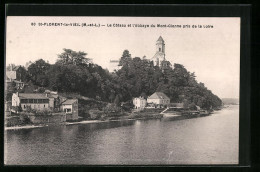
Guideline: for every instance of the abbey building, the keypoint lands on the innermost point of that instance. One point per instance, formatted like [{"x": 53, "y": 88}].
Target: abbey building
[{"x": 159, "y": 57}]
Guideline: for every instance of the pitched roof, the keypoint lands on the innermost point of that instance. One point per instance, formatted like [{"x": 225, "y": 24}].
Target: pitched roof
[
  {"x": 69, "y": 101},
  {"x": 32, "y": 96},
  {"x": 160, "y": 39},
  {"x": 158, "y": 95},
  {"x": 16, "y": 67}
]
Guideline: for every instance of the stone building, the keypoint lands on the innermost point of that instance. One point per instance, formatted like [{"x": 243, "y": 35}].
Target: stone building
[
  {"x": 70, "y": 107},
  {"x": 158, "y": 98},
  {"x": 139, "y": 102},
  {"x": 17, "y": 73},
  {"x": 35, "y": 101},
  {"x": 159, "y": 57}
]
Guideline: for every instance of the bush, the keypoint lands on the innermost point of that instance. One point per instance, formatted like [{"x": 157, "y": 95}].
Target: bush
[
  {"x": 95, "y": 113},
  {"x": 112, "y": 110},
  {"x": 43, "y": 112}
]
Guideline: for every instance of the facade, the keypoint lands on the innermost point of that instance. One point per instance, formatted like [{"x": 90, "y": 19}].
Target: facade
[
  {"x": 139, "y": 102},
  {"x": 33, "y": 100},
  {"x": 15, "y": 73},
  {"x": 54, "y": 99},
  {"x": 158, "y": 98},
  {"x": 159, "y": 57},
  {"x": 70, "y": 107},
  {"x": 19, "y": 85}
]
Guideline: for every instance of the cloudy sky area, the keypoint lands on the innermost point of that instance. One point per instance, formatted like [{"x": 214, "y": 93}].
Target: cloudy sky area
[{"x": 213, "y": 54}]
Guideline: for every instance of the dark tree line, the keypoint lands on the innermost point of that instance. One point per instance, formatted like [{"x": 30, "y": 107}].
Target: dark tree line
[{"x": 73, "y": 72}]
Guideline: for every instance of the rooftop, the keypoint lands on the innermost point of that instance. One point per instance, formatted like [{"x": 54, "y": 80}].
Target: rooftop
[
  {"x": 32, "y": 96},
  {"x": 14, "y": 68},
  {"x": 160, "y": 39},
  {"x": 158, "y": 95},
  {"x": 69, "y": 101}
]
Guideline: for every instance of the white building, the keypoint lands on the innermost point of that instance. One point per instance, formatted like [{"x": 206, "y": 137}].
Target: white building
[
  {"x": 70, "y": 107},
  {"x": 33, "y": 100},
  {"x": 158, "y": 98},
  {"x": 139, "y": 102},
  {"x": 159, "y": 57},
  {"x": 114, "y": 65}
]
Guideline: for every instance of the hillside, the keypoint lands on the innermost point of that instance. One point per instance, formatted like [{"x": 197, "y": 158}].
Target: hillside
[{"x": 73, "y": 73}]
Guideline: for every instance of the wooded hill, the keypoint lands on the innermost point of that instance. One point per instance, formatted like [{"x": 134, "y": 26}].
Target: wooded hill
[{"x": 74, "y": 73}]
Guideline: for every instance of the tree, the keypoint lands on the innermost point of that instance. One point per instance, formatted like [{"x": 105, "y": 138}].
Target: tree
[
  {"x": 37, "y": 72},
  {"x": 72, "y": 57},
  {"x": 117, "y": 100},
  {"x": 126, "y": 56}
]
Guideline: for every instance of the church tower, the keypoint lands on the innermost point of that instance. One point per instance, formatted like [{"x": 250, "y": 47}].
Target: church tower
[
  {"x": 160, "y": 46},
  {"x": 159, "y": 56}
]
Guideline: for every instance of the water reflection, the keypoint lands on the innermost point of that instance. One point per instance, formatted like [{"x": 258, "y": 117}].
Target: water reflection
[{"x": 211, "y": 139}]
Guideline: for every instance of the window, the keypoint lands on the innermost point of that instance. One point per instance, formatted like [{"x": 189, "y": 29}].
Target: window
[
  {"x": 24, "y": 106},
  {"x": 67, "y": 110},
  {"x": 43, "y": 105},
  {"x": 24, "y": 100},
  {"x": 159, "y": 49},
  {"x": 30, "y": 100}
]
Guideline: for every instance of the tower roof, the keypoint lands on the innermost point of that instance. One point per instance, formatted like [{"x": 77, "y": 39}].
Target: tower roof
[{"x": 160, "y": 39}]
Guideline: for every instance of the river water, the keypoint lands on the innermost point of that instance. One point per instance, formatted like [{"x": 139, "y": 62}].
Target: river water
[{"x": 206, "y": 140}]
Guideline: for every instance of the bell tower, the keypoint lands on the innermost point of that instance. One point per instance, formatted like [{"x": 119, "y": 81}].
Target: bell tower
[
  {"x": 160, "y": 46},
  {"x": 159, "y": 57}
]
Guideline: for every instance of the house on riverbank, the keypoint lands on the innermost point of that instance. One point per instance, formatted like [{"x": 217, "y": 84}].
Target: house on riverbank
[
  {"x": 158, "y": 98},
  {"x": 46, "y": 101},
  {"x": 70, "y": 107},
  {"x": 35, "y": 101},
  {"x": 139, "y": 102}
]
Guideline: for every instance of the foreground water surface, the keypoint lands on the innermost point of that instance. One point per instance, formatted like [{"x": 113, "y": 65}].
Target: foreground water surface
[{"x": 205, "y": 140}]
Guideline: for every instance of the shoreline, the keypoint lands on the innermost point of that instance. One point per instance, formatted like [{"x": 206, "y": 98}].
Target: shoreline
[
  {"x": 150, "y": 116},
  {"x": 70, "y": 123}
]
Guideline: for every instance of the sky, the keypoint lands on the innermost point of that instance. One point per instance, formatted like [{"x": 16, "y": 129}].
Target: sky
[{"x": 212, "y": 53}]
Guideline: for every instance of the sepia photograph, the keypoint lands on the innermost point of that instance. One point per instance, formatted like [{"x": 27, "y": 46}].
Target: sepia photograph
[{"x": 117, "y": 90}]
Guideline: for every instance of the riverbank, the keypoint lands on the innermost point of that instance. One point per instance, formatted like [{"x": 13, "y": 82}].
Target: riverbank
[
  {"x": 132, "y": 116},
  {"x": 139, "y": 115}
]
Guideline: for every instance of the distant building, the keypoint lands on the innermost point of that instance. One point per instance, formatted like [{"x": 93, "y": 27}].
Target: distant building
[
  {"x": 70, "y": 107},
  {"x": 159, "y": 57},
  {"x": 19, "y": 85},
  {"x": 15, "y": 73},
  {"x": 114, "y": 65},
  {"x": 33, "y": 100},
  {"x": 158, "y": 98},
  {"x": 54, "y": 100},
  {"x": 139, "y": 102}
]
